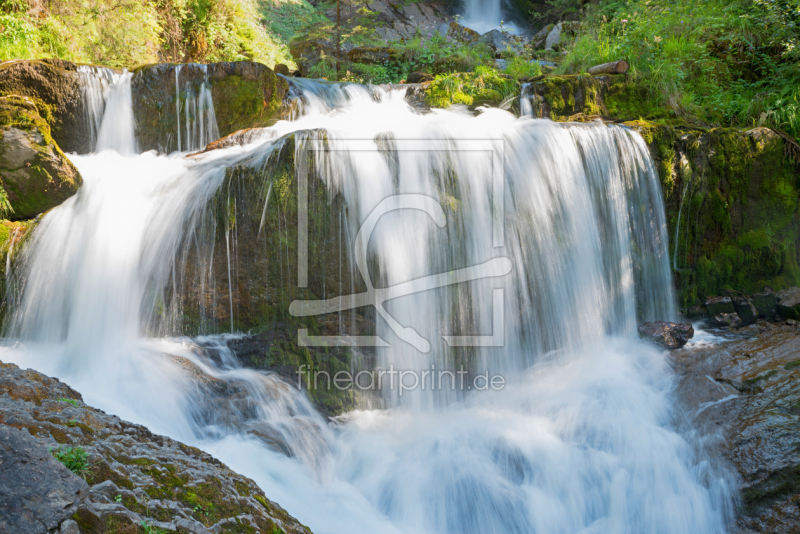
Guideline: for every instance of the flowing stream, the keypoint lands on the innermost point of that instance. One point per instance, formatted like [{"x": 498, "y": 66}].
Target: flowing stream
[{"x": 580, "y": 438}]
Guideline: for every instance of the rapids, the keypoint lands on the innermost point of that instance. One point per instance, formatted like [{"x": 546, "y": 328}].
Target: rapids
[{"x": 582, "y": 437}]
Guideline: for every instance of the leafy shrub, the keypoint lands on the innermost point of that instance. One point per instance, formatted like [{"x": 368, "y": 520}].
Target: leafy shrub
[
  {"x": 76, "y": 459},
  {"x": 720, "y": 61},
  {"x": 518, "y": 67},
  {"x": 465, "y": 88}
]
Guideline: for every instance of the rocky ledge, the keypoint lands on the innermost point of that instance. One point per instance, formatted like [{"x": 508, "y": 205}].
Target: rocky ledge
[
  {"x": 131, "y": 480},
  {"x": 742, "y": 396}
]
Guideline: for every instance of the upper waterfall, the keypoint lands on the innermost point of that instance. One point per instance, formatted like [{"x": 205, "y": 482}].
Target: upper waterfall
[{"x": 577, "y": 438}]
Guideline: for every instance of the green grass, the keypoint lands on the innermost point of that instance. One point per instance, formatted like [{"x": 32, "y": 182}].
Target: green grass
[
  {"x": 76, "y": 459},
  {"x": 69, "y": 401},
  {"x": 731, "y": 62}
]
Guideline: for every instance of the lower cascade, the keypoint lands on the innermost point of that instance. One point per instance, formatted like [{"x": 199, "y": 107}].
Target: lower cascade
[{"x": 553, "y": 418}]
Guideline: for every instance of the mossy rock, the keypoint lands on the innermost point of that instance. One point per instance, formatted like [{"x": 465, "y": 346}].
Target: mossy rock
[
  {"x": 35, "y": 174},
  {"x": 55, "y": 87},
  {"x": 735, "y": 194},
  {"x": 245, "y": 95}
]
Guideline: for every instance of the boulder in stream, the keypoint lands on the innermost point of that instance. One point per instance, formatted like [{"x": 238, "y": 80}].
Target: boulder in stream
[
  {"x": 788, "y": 306},
  {"x": 668, "y": 335},
  {"x": 34, "y": 172},
  {"x": 717, "y": 305},
  {"x": 725, "y": 320},
  {"x": 745, "y": 310}
]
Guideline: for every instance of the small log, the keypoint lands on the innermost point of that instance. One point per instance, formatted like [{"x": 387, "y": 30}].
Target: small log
[{"x": 615, "y": 67}]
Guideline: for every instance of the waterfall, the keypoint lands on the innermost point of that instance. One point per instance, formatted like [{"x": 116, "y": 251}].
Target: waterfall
[
  {"x": 109, "y": 112},
  {"x": 199, "y": 125},
  {"x": 580, "y": 438},
  {"x": 483, "y": 15}
]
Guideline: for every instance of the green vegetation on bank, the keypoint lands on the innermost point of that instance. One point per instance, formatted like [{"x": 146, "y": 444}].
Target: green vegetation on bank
[
  {"x": 731, "y": 62},
  {"x": 126, "y": 33}
]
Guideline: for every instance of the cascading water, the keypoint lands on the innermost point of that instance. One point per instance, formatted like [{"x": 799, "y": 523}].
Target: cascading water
[
  {"x": 578, "y": 440},
  {"x": 485, "y": 15},
  {"x": 194, "y": 113}
]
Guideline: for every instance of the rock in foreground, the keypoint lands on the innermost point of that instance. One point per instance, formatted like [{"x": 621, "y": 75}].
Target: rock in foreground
[
  {"x": 668, "y": 335},
  {"x": 743, "y": 397},
  {"x": 134, "y": 476}
]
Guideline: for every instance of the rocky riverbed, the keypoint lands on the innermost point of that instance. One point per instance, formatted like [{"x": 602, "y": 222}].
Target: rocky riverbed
[{"x": 741, "y": 395}]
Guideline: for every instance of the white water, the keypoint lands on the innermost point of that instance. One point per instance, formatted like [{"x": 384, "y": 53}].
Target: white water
[
  {"x": 580, "y": 440},
  {"x": 194, "y": 113},
  {"x": 485, "y": 15}
]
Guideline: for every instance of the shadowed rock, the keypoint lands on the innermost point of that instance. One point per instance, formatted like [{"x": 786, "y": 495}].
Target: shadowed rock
[{"x": 668, "y": 335}]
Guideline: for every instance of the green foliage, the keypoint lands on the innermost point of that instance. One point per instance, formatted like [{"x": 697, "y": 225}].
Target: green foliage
[
  {"x": 718, "y": 61},
  {"x": 150, "y": 528},
  {"x": 76, "y": 459},
  {"x": 518, "y": 67},
  {"x": 125, "y": 33},
  {"x": 467, "y": 88},
  {"x": 434, "y": 53},
  {"x": 69, "y": 401}
]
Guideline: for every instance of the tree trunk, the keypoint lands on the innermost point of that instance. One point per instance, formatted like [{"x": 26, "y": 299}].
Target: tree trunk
[{"x": 615, "y": 67}]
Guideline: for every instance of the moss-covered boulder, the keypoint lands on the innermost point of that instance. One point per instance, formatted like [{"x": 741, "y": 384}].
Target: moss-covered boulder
[
  {"x": 245, "y": 95},
  {"x": 56, "y": 87},
  {"x": 35, "y": 174},
  {"x": 581, "y": 96}
]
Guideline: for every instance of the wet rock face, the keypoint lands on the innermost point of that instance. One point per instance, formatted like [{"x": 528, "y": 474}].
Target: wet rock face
[
  {"x": 55, "y": 86},
  {"x": 134, "y": 476},
  {"x": 751, "y": 410},
  {"x": 37, "y": 493},
  {"x": 34, "y": 172},
  {"x": 745, "y": 310},
  {"x": 668, "y": 335},
  {"x": 245, "y": 95}
]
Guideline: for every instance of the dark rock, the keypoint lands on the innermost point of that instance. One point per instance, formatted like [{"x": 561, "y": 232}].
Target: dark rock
[
  {"x": 722, "y": 320},
  {"x": 245, "y": 94},
  {"x": 693, "y": 312},
  {"x": 498, "y": 41},
  {"x": 58, "y": 85},
  {"x": 34, "y": 172},
  {"x": 717, "y": 305},
  {"x": 668, "y": 335},
  {"x": 280, "y": 68},
  {"x": 788, "y": 306},
  {"x": 745, "y": 310},
  {"x": 158, "y": 480},
  {"x": 462, "y": 34},
  {"x": 419, "y": 77},
  {"x": 37, "y": 493},
  {"x": 766, "y": 303}
]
